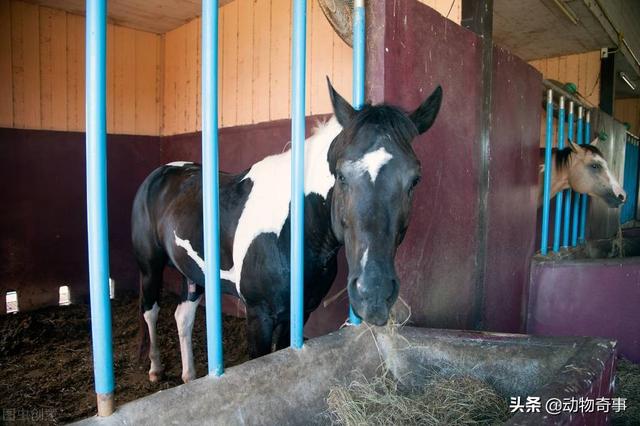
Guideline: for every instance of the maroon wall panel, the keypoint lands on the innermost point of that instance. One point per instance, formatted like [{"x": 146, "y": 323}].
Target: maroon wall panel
[
  {"x": 412, "y": 49},
  {"x": 436, "y": 262},
  {"x": 512, "y": 197},
  {"x": 43, "y": 220},
  {"x": 587, "y": 298}
]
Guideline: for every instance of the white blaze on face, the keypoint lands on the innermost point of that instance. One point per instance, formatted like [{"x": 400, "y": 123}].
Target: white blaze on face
[
  {"x": 611, "y": 179},
  {"x": 179, "y": 163},
  {"x": 371, "y": 163}
]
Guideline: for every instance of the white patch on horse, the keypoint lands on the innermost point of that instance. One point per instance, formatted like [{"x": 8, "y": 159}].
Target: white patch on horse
[
  {"x": 179, "y": 163},
  {"x": 151, "y": 318},
  {"x": 371, "y": 163},
  {"x": 615, "y": 185},
  {"x": 185, "y": 244},
  {"x": 185, "y": 316},
  {"x": 267, "y": 206},
  {"x": 364, "y": 259}
]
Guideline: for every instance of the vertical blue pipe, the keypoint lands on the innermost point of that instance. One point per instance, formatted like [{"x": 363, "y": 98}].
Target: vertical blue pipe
[
  {"x": 298, "y": 51},
  {"x": 558, "y": 217},
  {"x": 547, "y": 176},
  {"x": 567, "y": 192},
  {"x": 358, "y": 80},
  {"x": 97, "y": 221},
  {"x": 576, "y": 202},
  {"x": 585, "y": 198},
  {"x": 210, "y": 185}
]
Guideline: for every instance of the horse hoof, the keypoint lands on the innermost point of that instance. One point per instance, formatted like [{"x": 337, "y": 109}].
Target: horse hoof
[{"x": 155, "y": 376}]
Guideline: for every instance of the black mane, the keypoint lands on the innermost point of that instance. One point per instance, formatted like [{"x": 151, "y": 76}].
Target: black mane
[
  {"x": 563, "y": 155},
  {"x": 392, "y": 119}
]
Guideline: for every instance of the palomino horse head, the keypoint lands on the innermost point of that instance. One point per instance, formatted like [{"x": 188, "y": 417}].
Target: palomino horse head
[
  {"x": 376, "y": 171},
  {"x": 589, "y": 174}
]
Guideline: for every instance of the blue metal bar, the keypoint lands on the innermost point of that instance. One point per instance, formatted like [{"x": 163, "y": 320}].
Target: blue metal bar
[
  {"x": 558, "y": 216},
  {"x": 576, "y": 202},
  {"x": 358, "y": 80},
  {"x": 547, "y": 176},
  {"x": 567, "y": 192},
  {"x": 585, "y": 198},
  {"x": 297, "y": 170},
  {"x": 210, "y": 185},
  {"x": 97, "y": 219}
]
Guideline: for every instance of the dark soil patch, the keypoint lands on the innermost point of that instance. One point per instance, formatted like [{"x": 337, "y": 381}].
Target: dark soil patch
[{"x": 47, "y": 369}]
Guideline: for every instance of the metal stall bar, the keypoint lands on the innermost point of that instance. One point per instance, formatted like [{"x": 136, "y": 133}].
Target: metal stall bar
[
  {"x": 298, "y": 52},
  {"x": 559, "y": 196},
  {"x": 585, "y": 198},
  {"x": 630, "y": 179},
  {"x": 358, "y": 80},
  {"x": 210, "y": 185},
  {"x": 547, "y": 176},
  {"x": 97, "y": 220},
  {"x": 567, "y": 192},
  {"x": 576, "y": 201}
]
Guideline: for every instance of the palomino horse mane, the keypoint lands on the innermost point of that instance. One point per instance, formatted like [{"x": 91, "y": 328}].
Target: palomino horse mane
[{"x": 564, "y": 155}]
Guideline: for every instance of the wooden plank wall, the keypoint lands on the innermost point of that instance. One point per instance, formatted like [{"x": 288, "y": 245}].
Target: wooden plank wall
[
  {"x": 255, "y": 69},
  {"x": 42, "y": 72},
  {"x": 582, "y": 69},
  {"x": 154, "y": 82},
  {"x": 628, "y": 111}
]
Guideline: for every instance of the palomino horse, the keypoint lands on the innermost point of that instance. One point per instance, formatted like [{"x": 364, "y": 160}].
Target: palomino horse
[
  {"x": 360, "y": 173},
  {"x": 583, "y": 169}
]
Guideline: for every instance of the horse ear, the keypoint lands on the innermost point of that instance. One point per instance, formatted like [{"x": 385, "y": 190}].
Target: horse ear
[
  {"x": 424, "y": 116},
  {"x": 341, "y": 108},
  {"x": 576, "y": 148},
  {"x": 595, "y": 142}
]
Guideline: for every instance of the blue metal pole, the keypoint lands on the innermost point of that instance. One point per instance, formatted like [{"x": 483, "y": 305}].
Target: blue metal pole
[
  {"x": 547, "y": 176},
  {"x": 585, "y": 197},
  {"x": 97, "y": 220},
  {"x": 558, "y": 217},
  {"x": 576, "y": 202},
  {"x": 210, "y": 185},
  {"x": 358, "y": 80},
  {"x": 297, "y": 170},
  {"x": 567, "y": 192}
]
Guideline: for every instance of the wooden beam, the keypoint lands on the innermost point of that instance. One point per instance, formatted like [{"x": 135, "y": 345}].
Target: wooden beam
[{"x": 477, "y": 15}]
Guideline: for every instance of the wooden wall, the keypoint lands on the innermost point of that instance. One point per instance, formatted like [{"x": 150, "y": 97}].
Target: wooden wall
[
  {"x": 582, "y": 69},
  {"x": 255, "y": 68},
  {"x": 628, "y": 110},
  {"x": 154, "y": 82},
  {"x": 42, "y": 79}
]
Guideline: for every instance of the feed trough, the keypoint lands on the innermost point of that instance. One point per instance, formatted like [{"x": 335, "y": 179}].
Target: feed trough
[{"x": 291, "y": 386}]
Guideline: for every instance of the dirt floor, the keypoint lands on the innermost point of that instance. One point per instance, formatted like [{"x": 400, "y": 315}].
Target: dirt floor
[{"x": 46, "y": 365}]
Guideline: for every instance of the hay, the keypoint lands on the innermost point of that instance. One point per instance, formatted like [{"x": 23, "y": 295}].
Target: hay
[
  {"x": 628, "y": 386},
  {"x": 455, "y": 400}
]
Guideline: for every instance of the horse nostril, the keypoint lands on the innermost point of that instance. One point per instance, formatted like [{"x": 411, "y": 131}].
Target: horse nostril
[{"x": 621, "y": 197}]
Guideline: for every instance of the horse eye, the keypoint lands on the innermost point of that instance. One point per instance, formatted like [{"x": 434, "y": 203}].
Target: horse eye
[
  {"x": 414, "y": 183},
  {"x": 595, "y": 166},
  {"x": 341, "y": 178}
]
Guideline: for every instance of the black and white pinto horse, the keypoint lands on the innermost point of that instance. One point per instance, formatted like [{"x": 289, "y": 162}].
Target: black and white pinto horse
[{"x": 360, "y": 173}]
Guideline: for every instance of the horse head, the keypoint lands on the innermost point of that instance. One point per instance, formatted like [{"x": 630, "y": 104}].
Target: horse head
[
  {"x": 589, "y": 174},
  {"x": 376, "y": 171}
]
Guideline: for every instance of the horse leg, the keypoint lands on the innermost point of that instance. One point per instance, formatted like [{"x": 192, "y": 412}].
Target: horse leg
[
  {"x": 185, "y": 316},
  {"x": 151, "y": 283},
  {"x": 260, "y": 326}
]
